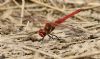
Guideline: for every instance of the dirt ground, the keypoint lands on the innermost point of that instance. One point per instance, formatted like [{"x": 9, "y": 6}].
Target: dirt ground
[{"x": 20, "y": 20}]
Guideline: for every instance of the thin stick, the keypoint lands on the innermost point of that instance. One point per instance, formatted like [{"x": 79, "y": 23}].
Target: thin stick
[
  {"x": 16, "y": 3},
  {"x": 61, "y": 10},
  {"x": 20, "y": 6},
  {"x": 22, "y": 11}
]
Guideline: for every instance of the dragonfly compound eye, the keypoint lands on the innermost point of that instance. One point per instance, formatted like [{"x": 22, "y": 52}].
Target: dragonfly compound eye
[{"x": 42, "y": 33}]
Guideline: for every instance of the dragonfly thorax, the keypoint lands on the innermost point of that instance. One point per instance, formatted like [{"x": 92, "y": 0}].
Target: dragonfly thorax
[{"x": 47, "y": 30}]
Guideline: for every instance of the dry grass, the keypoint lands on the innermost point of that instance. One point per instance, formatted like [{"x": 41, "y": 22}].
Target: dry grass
[{"x": 21, "y": 19}]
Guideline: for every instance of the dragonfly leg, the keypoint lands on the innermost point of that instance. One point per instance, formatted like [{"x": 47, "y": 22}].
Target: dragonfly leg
[
  {"x": 50, "y": 37},
  {"x": 53, "y": 36}
]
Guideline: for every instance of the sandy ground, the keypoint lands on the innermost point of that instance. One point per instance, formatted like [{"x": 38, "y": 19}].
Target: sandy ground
[{"x": 79, "y": 36}]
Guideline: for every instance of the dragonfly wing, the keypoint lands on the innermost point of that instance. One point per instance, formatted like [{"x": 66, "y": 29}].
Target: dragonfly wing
[
  {"x": 63, "y": 26},
  {"x": 70, "y": 28}
]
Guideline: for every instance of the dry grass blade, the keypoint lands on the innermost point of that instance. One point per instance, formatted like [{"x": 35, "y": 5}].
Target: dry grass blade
[
  {"x": 6, "y": 1},
  {"x": 39, "y": 51},
  {"x": 84, "y": 55}
]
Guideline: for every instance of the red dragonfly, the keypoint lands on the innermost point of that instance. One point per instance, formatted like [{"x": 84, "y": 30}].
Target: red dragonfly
[{"x": 50, "y": 26}]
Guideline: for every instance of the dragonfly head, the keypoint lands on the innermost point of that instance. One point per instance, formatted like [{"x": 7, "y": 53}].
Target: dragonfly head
[{"x": 42, "y": 33}]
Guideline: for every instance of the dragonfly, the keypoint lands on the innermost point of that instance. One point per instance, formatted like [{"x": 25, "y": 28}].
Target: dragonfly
[{"x": 50, "y": 26}]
